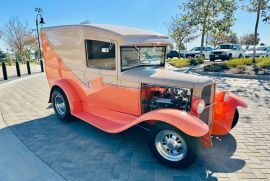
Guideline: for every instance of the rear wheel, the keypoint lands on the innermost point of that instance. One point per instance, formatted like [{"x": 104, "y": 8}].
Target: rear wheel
[
  {"x": 203, "y": 57},
  {"x": 230, "y": 56},
  {"x": 172, "y": 147},
  {"x": 235, "y": 118},
  {"x": 60, "y": 105},
  {"x": 240, "y": 56}
]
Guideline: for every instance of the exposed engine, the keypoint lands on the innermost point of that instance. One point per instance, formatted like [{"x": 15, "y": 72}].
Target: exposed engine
[{"x": 162, "y": 97}]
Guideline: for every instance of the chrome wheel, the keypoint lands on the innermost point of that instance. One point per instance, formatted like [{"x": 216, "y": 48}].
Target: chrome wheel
[
  {"x": 171, "y": 145},
  {"x": 60, "y": 105}
]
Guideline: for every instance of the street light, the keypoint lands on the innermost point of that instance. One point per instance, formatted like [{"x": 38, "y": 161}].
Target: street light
[{"x": 39, "y": 15}]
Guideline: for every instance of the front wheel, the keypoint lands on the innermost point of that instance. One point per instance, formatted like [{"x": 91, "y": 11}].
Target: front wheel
[
  {"x": 60, "y": 105},
  {"x": 235, "y": 118},
  {"x": 172, "y": 147}
]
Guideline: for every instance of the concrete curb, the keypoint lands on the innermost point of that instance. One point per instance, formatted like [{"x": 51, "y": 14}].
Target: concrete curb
[{"x": 240, "y": 76}]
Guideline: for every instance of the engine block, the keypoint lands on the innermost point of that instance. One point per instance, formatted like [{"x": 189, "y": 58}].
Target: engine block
[{"x": 157, "y": 97}]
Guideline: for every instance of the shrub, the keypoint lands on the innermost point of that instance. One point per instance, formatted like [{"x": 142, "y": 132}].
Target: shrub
[
  {"x": 178, "y": 63},
  {"x": 196, "y": 61},
  {"x": 216, "y": 67},
  {"x": 234, "y": 63},
  {"x": 264, "y": 63},
  {"x": 241, "y": 68}
]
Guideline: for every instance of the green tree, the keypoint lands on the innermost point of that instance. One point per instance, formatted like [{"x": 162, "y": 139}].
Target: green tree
[
  {"x": 262, "y": 9},
  {"x": 181, "y": 31},
  {"x": 2, "y": 56},
  {"x": 209, "y": 15},
  {"x": 217, "y": 38},
  {"x": 171, "y": 46},
  {"x": 249, "y": 39}
]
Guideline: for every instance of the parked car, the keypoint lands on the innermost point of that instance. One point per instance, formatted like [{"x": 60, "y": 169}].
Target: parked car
[
  {"x": 175, "y": 54},
  {"x": 195, "y": 52},
  {"x": 114, "y": 78},
  {"x": 261, "y": 51},
  {"x": 227, "y": 52}
]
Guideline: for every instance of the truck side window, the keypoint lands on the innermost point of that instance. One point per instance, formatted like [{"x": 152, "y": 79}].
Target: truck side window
[{"x": 100, "y": 54}]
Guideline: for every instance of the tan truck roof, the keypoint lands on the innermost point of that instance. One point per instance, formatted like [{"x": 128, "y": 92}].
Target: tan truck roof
[{"x": 129, "y": 35}]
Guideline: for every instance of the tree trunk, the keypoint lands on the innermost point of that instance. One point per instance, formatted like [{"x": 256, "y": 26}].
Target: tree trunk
[
  {"x": 256, "y": 34},
  {"x": 202, "y": 39},
  {"x": 204, "y": 27},
  {"x": 179, "y": 49}
]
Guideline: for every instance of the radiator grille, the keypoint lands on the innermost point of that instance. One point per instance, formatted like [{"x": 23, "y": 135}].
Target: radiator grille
[{"x": 208, "y": 96}]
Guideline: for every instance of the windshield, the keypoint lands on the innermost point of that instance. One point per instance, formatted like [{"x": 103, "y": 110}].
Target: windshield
[
  {"x": 261, "y": 48},
  {"x": 258, "y": 48},
  {"x": 132, "y": 57},
  {"x": 224, "y": 47},
  {"x": 196, "y": 49}
]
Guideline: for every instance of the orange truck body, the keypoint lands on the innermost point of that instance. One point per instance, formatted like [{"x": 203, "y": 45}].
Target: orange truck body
[{"x": 114, "y": 107}]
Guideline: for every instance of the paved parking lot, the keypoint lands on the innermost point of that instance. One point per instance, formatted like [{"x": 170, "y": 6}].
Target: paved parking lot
[{"x": 78, "y": 151}]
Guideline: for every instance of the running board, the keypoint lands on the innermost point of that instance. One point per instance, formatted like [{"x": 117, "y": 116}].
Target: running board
[{"x": 107, "y": 120}]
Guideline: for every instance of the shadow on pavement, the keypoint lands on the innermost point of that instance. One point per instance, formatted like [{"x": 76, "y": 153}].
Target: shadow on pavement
[
  {"x": 78, "y": 150},
  {"x": 218, "y": 159}
]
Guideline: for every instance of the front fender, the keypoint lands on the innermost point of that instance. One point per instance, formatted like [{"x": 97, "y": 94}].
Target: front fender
[
  {"x": 182, "y": 120},
  {"x": 72, "y": 96},
  {"x": 236, "y": 101},
  {"x": 224, "y": 113}
]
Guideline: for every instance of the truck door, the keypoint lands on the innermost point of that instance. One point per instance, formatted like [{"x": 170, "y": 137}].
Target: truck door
[{"x": 101, "y": 74}]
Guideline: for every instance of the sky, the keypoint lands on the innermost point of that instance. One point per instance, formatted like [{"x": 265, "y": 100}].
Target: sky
[{"x": 146, "y": 14}]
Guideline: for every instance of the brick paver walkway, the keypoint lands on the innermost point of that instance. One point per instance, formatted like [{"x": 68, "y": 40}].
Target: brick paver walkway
[{"x": 78, "y": 151}]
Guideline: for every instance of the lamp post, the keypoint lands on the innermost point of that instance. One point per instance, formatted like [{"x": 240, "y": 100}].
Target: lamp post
[{"x": 39, "y": 15}]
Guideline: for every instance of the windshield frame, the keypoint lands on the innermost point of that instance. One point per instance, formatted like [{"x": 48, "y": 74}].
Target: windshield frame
[{"x": 162, "y": 62}]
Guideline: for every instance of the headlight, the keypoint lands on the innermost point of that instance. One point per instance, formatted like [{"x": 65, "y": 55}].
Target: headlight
[
  {"x": 200, "y": 106},
  {"x": 226, "y": 96}
]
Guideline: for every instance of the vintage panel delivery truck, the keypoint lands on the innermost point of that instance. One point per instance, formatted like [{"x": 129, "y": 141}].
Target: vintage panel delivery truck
[{"x": 114, "y": 77}]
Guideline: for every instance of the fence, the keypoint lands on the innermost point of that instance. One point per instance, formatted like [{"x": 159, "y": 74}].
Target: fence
[{"x": 8, "y": 71}]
